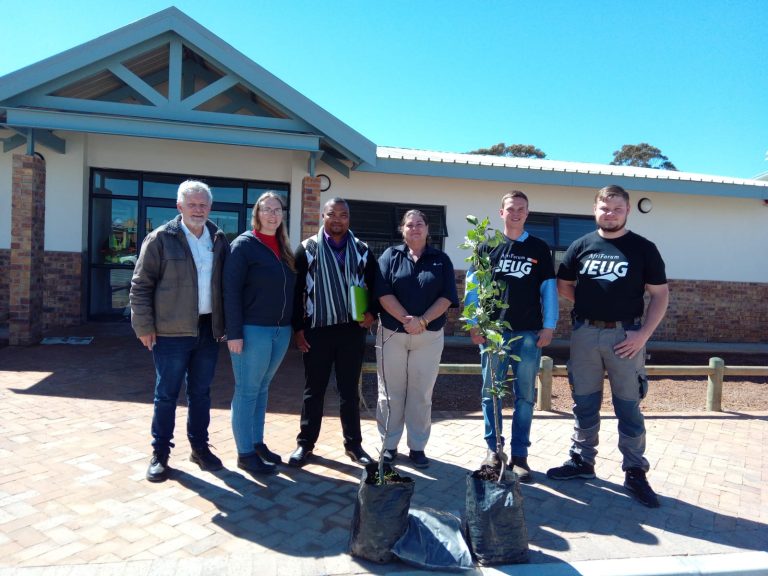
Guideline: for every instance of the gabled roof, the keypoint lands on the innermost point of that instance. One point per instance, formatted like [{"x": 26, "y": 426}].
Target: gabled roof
[
  {"x": 166, "y": 76},
  {"x": 555, "y": 172}
]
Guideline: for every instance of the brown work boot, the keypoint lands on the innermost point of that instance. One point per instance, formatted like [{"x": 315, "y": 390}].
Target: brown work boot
[
  {"x": 492, "y": 459},
  {"x": 521, "y": 468}
]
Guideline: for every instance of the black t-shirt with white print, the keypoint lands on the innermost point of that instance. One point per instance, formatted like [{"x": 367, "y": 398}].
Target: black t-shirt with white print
[
  {"x": 523, "y": 265},
  {"x": 611, "y": 274}
]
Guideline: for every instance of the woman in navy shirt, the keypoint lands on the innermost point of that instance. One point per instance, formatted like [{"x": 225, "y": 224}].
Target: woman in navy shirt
[{"x": 415, "y": 287}]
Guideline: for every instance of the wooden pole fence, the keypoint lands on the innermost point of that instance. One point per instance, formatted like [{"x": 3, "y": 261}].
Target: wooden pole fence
[{"x": 715, "y": 373}]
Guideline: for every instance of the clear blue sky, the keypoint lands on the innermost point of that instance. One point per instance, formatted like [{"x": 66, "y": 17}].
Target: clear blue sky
[{"x": 576, "y": 79}]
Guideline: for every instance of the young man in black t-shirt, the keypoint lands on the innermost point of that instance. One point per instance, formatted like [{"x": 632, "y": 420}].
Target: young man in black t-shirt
[
  {"x": 606, "y": 274},
  {"x": 524, "y": 264}
]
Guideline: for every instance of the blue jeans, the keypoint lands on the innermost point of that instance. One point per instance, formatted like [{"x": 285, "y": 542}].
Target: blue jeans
[
  {"x": 523, "y": 387},
  {"x": 190, "y": 359},
  {"x": 263, "y": 350}
]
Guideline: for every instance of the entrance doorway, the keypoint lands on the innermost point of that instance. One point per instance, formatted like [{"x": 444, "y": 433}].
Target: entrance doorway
[{"x": 125, "y": 206}]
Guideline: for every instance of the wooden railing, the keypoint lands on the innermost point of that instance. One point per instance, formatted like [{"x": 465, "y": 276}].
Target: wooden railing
[{"x": 714, "y": 372}]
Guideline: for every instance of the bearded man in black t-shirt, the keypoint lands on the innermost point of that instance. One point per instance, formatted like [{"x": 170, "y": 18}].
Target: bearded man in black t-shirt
[{"x": 606, "y": 274}]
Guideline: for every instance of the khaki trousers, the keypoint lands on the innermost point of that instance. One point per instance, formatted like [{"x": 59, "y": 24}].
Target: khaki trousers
[{"x": 407, "y": 367}]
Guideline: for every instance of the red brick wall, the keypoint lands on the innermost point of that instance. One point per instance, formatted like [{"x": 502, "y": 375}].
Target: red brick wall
[
  {"x": 25, "y": 300},
  {"x": 5, "y": 266},
  {"x": 310, "y": 207},
  {"x": 699, "y": 311},
  {"x": 453, "y": 326},
  {"x": 63, "y": 288},
  {"x": 707, "y": 311},
  {"x": 63, "y": 296}
]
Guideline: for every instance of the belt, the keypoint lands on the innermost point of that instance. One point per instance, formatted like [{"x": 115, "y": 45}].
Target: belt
[{"x": 608, "y": 324}]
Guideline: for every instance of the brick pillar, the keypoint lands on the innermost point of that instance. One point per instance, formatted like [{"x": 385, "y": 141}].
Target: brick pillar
[
  {"x": 310, "y": 206},
  {"x": 25, "y": 324}
]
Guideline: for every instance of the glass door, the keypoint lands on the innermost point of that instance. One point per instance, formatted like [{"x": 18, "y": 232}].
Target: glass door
[
  {"x": 126, "y": 206},
  {"x": 155, "y": 216},
  {"x": 228, "y": 221}
]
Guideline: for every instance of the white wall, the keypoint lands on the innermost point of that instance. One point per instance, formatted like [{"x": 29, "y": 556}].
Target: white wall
[
  {"x": 700, "y": 237},
  {"x": 66, "y": 194},
  {"x": 709, "y": 238},
  {"x": 153, "y": 155},
  {"x": 66, "y": 209},
  {"x": 65, "y": 219}
]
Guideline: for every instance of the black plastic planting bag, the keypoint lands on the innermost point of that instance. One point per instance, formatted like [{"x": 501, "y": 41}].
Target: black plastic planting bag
[
  {"x": 434, "y": 541},
  {"x": 494, "y": 522},
  {"x": 381, "y": 514}
]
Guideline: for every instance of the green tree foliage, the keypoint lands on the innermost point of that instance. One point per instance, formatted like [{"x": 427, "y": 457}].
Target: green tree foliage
[
  {"x": 480, "y": 314},
  {"x": 512, "y": 151},
  {"x": 642, "y": 155}
]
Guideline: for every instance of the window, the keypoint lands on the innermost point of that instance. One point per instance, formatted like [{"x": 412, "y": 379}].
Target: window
[
  {"x": 125, "y": 206},
  {"x": 558, "y": 231},
  {"x": 377, "y": 223}
]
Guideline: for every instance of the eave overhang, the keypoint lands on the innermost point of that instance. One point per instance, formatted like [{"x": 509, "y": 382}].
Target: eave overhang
[
  {"x": 157, "y": 128},
  {"x": 555, "y": 173}
]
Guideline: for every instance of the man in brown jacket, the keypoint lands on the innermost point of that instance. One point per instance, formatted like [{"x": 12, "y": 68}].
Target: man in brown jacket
[{"x": 177, "y": 313}]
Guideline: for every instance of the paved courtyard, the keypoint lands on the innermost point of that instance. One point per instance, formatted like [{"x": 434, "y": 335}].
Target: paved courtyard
[{"x": 74, "y": 447}]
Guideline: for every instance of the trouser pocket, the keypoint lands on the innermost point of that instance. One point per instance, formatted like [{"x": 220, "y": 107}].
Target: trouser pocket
[{"x": 642, "y": 381}]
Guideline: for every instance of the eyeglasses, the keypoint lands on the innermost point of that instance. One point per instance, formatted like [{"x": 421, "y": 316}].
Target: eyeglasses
[{"x": 272, "y": 211}]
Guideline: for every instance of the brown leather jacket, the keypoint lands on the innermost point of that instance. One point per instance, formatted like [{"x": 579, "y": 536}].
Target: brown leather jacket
[{"x": 164, "y": 285}]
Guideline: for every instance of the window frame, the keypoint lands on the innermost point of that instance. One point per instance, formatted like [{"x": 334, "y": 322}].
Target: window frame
[
  {"x": 144, "y": 201},
  {"x": 384, "y": 221},
  {"x": 557, "y": 244}
]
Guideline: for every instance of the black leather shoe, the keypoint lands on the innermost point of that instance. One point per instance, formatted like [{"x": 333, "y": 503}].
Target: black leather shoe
[
  {"x": 637, "y": 484},
  {"x": 254, "y": 464},
  {"x": 492, "y": 459},
  {"x": 522, "y": 469},
  {"x": 299, "y": 456},
  {"x": 158, "y": 467},
  {"x": 207, "y": 460},
  {"x": 389, "y": 455},
  {"x": 418, "y": 458},
  {"x": 358, "y": 455},
  {"x": 266, "y": 454}
]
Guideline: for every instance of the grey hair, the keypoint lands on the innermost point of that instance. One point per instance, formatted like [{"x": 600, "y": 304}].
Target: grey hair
[{"x": 193, "y": 187}]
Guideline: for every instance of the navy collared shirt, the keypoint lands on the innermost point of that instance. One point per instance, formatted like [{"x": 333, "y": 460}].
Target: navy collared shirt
[{"x": 416, "y": 285}]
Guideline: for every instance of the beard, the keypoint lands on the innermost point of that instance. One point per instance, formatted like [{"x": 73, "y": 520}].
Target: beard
[{"x": 615, "y": 226}]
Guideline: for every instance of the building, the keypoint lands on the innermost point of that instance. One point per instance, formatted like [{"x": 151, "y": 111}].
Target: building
[{"x": 97, "y": 138}]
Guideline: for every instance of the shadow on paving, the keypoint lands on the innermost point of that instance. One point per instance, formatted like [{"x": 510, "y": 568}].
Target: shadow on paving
[
  {"x": 304, "y": 513},
  {"x": 600, "y": 507},
  {"x": 116, "y": 367}
]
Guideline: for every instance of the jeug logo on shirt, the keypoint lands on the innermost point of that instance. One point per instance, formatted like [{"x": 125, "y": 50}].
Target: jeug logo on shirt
[
  {"x": 609, "y": 268},
  {"x": 515, "y": 266}
]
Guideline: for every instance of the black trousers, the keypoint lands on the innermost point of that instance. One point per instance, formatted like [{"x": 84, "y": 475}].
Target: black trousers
[{"x": 340, "y": 347}]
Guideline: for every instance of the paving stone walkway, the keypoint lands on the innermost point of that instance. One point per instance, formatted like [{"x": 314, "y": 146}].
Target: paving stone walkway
[{"x": 74, "y": 447}]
